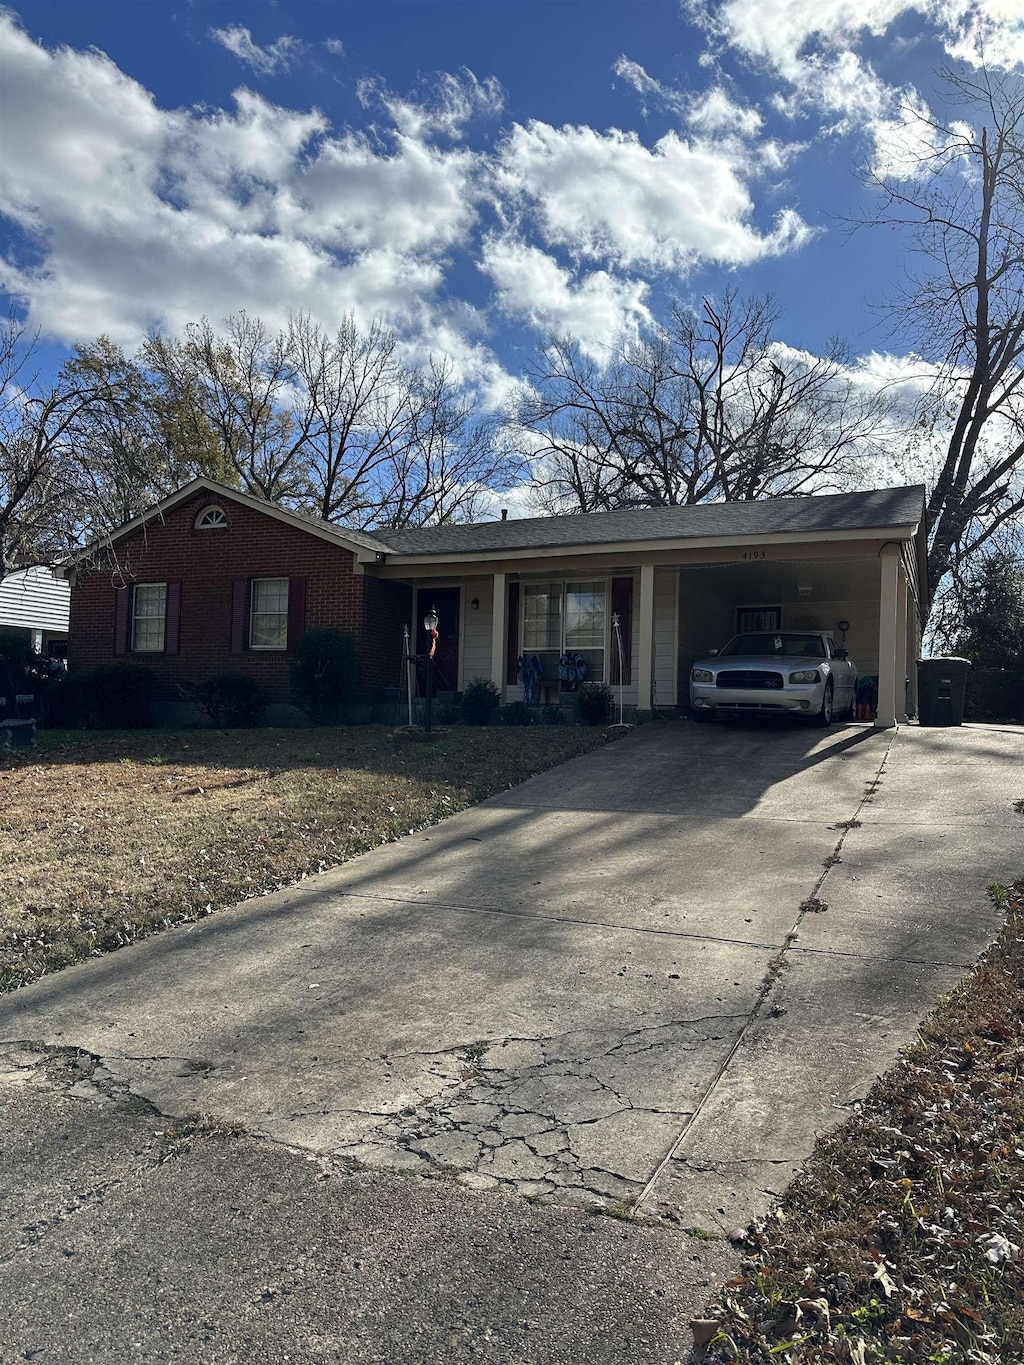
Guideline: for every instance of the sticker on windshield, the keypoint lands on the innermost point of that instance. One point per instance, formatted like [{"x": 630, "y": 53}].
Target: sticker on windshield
[{"x": 778, "y": 642}]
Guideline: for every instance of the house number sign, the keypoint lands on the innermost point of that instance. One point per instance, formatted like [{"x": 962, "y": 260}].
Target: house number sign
[{"x": 754, "y": 554}]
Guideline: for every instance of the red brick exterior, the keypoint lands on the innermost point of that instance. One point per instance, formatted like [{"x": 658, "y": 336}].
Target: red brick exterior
[{"x": 207, "y": 563}]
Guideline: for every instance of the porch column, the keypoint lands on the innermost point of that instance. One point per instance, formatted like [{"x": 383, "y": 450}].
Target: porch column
[
  {"x": 888, "y": 649},
  {"x": 37, "y": 642},
  {"x": 499, "y": 632},
  {"x": 902, "y": 596},
  {"x": 645, "y": 638},
  {"x": 913, "y": 650}
]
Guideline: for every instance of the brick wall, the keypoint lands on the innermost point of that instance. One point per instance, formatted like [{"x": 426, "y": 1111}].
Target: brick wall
[{"x": 206, "y": 563}]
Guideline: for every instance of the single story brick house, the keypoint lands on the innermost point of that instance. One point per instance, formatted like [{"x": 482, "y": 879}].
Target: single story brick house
[{"x": 212, "y": 580}]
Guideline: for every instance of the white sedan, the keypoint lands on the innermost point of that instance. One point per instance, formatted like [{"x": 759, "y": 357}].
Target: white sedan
[{"x": 780, "y": 672}]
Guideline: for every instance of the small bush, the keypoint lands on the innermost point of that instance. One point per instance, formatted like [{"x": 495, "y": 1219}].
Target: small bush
[
  {"x": 480, "y": 700},
  {"x": 448, "y": 713},
  {"x": 553, "y": 715},
  {"x": 593, "y": 704},
  {"x": 516, "y": 713},
  {"x": 231, "y": 700},
  {"x": 325, "y": 674},
  {"x": 116, "y": 697}
]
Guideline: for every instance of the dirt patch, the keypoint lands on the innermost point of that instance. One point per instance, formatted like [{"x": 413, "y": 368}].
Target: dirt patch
[
  {"x": 901, "y": 1239},
  {"x": 104, "y": 838}
]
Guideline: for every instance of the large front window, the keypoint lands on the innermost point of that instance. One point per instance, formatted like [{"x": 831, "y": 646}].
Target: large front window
[
  {"x": 268, "y": 617},
  {"x": 149, "y": 613},
  {"x": 566, "y": 618}
]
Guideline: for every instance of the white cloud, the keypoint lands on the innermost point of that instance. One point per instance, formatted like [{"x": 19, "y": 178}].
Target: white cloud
[
  {"x": 148, "y": 215},
  {"x": 445, "y": 104},
  {"x": 597, "y": 309},
  {"x": 608, "y": 196},
  {"x": 335, "y": 47},
  {"x": 717, "y": 112},
  {"x": 276, "y": 56},
  {"x": 646, "y": 86}
]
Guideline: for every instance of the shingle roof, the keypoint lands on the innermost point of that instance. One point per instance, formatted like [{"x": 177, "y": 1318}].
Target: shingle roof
[{"x": 880, "y": 508}]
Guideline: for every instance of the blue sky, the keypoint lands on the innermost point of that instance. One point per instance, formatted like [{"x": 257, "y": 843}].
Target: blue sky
[{"x": 481, "y": 173}]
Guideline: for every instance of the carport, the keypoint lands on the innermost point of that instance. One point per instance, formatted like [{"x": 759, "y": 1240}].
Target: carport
[
  {"x": 675, "y": 581},
  {"x": 843, "y": 597}
]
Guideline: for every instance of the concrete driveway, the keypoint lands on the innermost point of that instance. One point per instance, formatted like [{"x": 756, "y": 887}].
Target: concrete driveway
[{"x": 648, "y": 978}]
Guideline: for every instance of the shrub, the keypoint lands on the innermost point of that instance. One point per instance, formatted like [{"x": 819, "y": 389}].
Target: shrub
[
  {"x": 553, "y": 714},
  {"x": 480, "y": 700},
  {"x": 448, "y": 713},
  {"x": 117, "y": 697},
  {"x": 516, "y": 713},
  {"x": 231, "y": 700},
  {"x": 593, "y": 704},
  {"x": 325, "y": 674}
]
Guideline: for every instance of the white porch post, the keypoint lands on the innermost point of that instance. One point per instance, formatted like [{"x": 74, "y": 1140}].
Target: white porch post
[
  {"x": 645, "y": 670},
  {"x": 913, "y": 650},
  {"x": 499, "y": 632},
  {"x": 901, "y": 646},
  {"x": 888, "y": 648}
]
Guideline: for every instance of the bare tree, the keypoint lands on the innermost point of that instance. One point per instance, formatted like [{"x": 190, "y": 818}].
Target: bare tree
[
  {"x": 361, "y": 415},
  {"x": 455, "y": 459},
  {"x": 711, "y": 407},
  {"x": 962, "y": 202},
  {"x": 48, "y": 498},
  {"x": 241, "y": 386}
]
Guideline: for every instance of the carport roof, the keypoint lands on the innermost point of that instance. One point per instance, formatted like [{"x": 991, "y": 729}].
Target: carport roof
[{"x": 876, "y": 509}]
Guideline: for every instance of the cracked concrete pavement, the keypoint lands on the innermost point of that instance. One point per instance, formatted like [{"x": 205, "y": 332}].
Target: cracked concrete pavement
[
  {"x": 598, "y": 987},
  {"x": 646, "y": 980}
]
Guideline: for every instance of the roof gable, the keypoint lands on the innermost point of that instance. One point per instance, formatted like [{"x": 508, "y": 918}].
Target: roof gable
[{"x": 343, "y": 536}]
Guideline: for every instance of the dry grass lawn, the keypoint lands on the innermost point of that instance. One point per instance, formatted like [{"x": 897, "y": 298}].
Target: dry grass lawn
[{"x": 105, "y": 837}]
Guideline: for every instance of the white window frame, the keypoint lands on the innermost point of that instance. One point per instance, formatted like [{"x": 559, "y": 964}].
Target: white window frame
[
  {"x": 564, "y": 585},
  {"x": 253, "y": 612},
  {"x": 757, "y": 606},
  {"x": 212, "y": 518},
  {"x": 148, "y": 616}
]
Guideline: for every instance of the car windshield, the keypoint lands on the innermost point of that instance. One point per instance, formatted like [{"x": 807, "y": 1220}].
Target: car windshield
[{"x": 777, "y": 642}]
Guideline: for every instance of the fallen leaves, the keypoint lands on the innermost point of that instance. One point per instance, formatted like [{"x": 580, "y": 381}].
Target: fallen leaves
[{"x": 901, "y": 1239}]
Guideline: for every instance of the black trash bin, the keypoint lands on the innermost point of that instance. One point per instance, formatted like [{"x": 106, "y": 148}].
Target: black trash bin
[{"x": 940, "y": 690}]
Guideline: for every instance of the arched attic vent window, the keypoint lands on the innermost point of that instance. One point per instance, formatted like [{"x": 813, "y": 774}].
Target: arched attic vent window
[{"x": 211, "y": 519}]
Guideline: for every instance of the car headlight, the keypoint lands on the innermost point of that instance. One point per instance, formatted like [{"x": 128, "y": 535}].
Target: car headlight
[
  {"x": 805, "y": 675},
  {"x": 702, "y": 675}
]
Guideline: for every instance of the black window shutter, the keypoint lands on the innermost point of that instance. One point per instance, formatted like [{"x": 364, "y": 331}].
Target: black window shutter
[
  {"x": 239, "y": 615},
  {"x": 622, "y": 607},
  {"x": 122, "y": 619},
  {"x": 172, "y": 618},
  {"x": 296, "y": 610}
]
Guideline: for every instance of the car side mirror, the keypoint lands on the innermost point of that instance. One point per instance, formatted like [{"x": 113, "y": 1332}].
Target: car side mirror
[
  {"x": 712, "y": 653},
  {"x": 842, "y": 653}
]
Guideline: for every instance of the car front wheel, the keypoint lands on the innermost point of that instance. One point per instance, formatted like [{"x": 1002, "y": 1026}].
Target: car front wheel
[{"x": 824, "y": 716}]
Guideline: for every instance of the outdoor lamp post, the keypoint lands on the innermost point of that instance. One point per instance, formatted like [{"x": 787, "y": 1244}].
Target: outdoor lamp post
[{"x": 430, "y": 626}]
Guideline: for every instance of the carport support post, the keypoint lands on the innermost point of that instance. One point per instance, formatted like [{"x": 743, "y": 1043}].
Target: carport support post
[
  {"x": 901, "y": 646},
  {"x": 889, "y": 654},
  {"x": 645, "y": 671},
  {"x": 499, "y": 633},
  {"x": 913, "y": 650}
]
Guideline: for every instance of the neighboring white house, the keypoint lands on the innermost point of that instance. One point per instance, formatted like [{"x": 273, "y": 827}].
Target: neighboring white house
[{"x": 37, "y": 602}]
